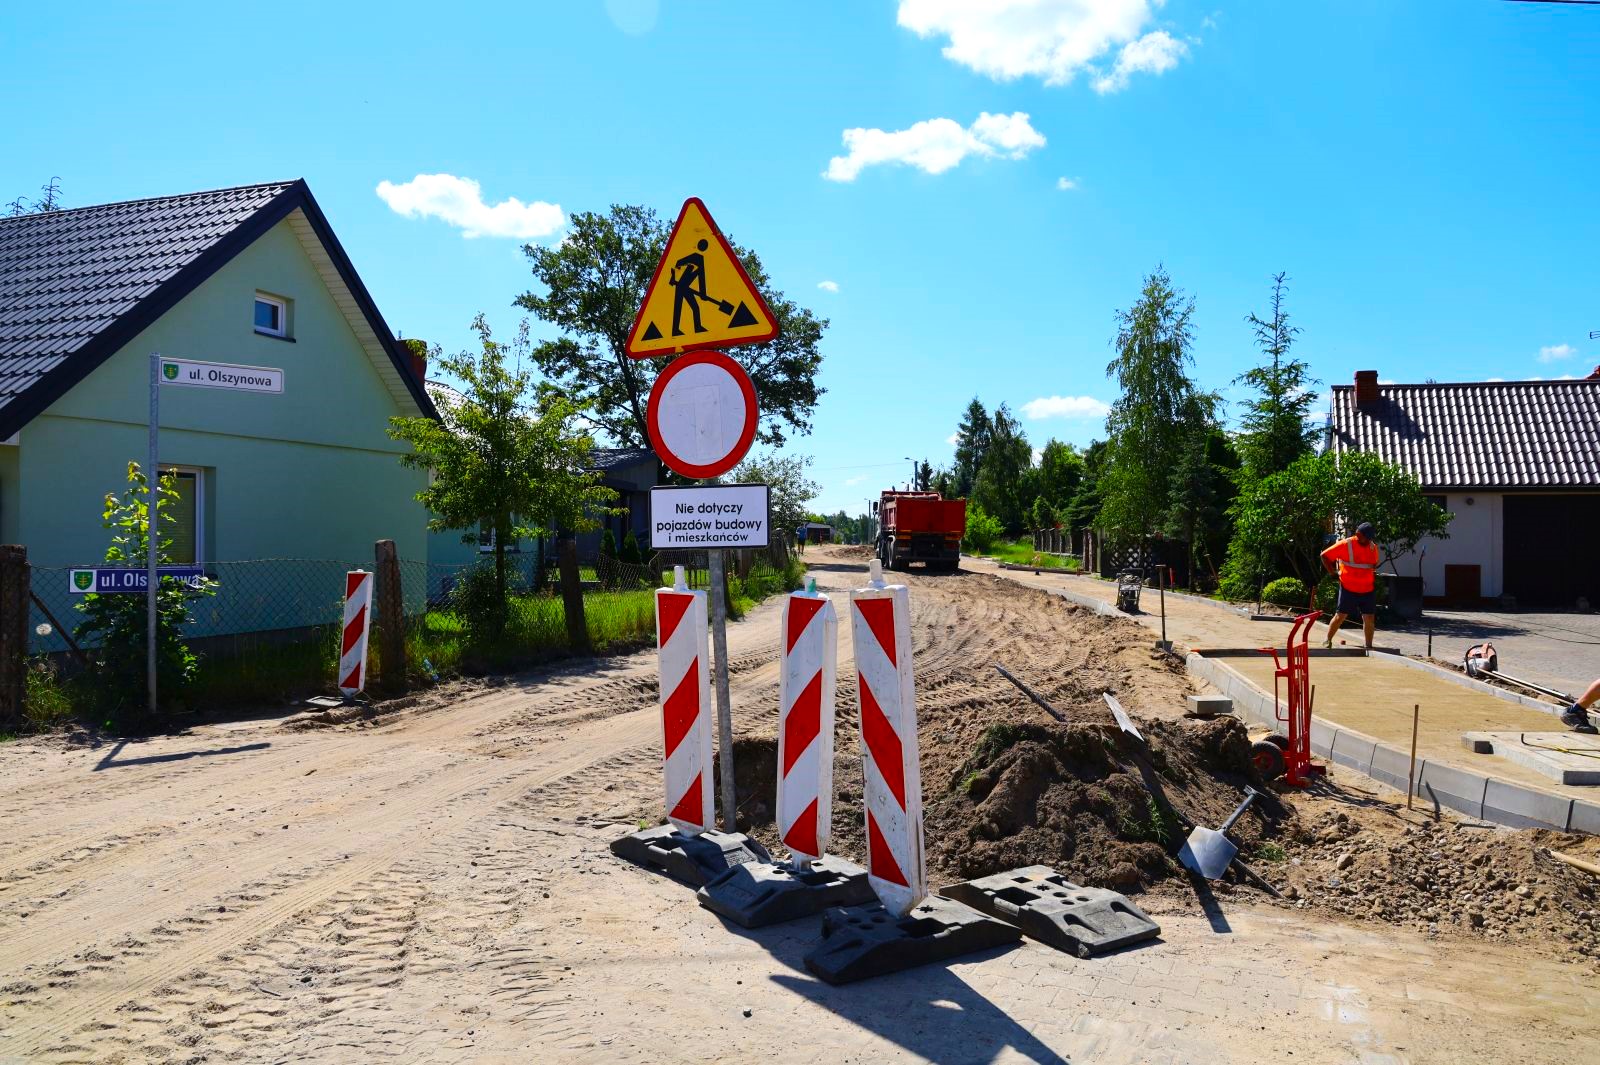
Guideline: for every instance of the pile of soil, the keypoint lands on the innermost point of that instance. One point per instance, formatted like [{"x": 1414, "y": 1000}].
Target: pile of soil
[
  {"x": 1445, "y": 876},
  {"x": 1073, "y": 796}
]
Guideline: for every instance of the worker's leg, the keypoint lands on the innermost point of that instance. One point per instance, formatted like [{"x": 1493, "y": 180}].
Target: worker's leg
[
  {"x": 1576, "y": 716},
  {"x": 1333, "y": 629},
  {"x": 1368, "y": 623}
]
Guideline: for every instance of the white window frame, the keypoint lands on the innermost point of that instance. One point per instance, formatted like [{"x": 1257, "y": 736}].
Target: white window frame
[
  {"x": 486, "y": 542},
  {"x": 199, "y": 475},
  {"x": 283, "y": 315}
]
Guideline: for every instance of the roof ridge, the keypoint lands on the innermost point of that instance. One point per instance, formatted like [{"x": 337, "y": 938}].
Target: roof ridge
[
  {"x": 1473, "y": 384},
  {"x": 151, "y": 199}
]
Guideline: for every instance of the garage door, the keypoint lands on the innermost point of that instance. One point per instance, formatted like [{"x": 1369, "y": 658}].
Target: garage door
[{"x": 1550, "y": 553}]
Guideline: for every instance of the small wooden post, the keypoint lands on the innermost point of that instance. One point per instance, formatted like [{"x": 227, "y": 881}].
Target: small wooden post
[
  {"x": 572, "y": 596},
  {"x": 391, "y": 617},
  {"x": 14, "y": 596},
  {"x": 1411, "y": 774}
]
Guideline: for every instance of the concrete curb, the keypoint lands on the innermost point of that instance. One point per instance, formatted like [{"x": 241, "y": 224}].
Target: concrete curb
[{"x": 1474, "y": 794}]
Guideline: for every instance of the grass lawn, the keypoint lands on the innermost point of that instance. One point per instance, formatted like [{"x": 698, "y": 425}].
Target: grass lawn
[{"x": 1022, "y": 553}]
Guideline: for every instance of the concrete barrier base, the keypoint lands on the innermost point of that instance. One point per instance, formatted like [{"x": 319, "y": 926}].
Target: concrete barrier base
[
  {"x": 864, "y": 941},
  {"x": 691, "y": 860},
  {"x": 761, "y": 893},
  {"x": 1053, "y": 910}
]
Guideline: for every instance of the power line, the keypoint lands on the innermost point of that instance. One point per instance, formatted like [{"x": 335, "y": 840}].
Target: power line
[{"x": 1581, "y": 3}]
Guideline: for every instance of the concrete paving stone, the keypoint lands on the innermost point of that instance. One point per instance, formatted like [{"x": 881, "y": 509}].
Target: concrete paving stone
[
  {"x": 1511, "y": 804},
  {"x": 1457, "y": 789},
  {"x": 1352, "y": 750}
]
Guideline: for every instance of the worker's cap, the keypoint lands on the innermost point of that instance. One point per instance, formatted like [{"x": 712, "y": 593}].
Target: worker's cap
[{"x": 1366, "y": 529}]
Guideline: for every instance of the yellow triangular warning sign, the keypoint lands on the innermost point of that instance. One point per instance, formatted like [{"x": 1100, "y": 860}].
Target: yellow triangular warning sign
[{"x": 700, "y": 297}]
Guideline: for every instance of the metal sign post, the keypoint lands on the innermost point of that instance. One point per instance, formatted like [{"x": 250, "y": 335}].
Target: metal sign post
[
  {"x": 719, "y": 654},
  {"x": 152, "y": 543}
]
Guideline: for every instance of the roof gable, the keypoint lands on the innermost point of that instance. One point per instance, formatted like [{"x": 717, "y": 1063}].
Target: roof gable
[
  {"x": 77, "y": 285},
  {"x": 1507, "y": 435}
]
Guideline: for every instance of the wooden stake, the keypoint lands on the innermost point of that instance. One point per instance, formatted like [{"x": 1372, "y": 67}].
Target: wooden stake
[
  {"x": 1411, "y": 774},
  {"x": 1576, "y": 863}
]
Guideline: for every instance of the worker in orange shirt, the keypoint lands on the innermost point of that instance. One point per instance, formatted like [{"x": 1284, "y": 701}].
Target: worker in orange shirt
[{"x": 1355, "y": 561}]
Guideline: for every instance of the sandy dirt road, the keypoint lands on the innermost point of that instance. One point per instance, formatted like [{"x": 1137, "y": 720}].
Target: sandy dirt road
[{"x": 436, "y": 888}]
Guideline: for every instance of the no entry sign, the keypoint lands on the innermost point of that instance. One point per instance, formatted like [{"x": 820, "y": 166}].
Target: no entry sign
[{"x": 702, "y": 414}]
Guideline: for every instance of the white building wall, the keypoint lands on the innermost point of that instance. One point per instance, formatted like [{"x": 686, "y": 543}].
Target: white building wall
[{"x": 1475, "y": 540}]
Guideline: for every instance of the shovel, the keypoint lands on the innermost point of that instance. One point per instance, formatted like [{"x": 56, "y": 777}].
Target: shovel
[{"x": 1210, "y": 853}]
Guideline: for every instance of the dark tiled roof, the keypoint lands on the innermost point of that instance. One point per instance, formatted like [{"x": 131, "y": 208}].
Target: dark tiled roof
[
  {"x": 75, "y": 285},
  {"x": 67, "y": 276},
  {"x": 611, "y": 458},
  {"x": 1483, "y": 435}
]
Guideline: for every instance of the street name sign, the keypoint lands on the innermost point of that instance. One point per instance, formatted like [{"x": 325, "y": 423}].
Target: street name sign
[
  {"x": 710, "y": 517},
  {"x": 228, "y": 376},
  {"x": 102, "y": 580},
  {"x": 700, "y": 296}
]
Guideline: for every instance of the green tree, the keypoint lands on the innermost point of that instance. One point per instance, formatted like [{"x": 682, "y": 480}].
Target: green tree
[
  {"x": 1043, "y": 515},
  {"x": 1273, "y": 427},
  {"x": 504, "y": 455},
  {"x": 590, "y": 287},
  {"x": 117, "y": 625},
  {"x": 1156, "y": 411},
  {"x": 1060, "y": 473},
  {"x": 50, "y": 201},
  {"x": 1290, "y": 512},
  {"x": 631, "y": 552},
  {"x": 790, "y": 487},
  {"x": 1196, "y": 485},
  {"x": 1004, "y": 486},
  {"x": 1084, "y": 506},
  {"x": 972, "y": 440},
  {"x": 924, "y": 476}
]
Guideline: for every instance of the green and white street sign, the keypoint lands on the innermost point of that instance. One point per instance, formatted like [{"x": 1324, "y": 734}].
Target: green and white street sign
[{"x": 224, "y": 375}]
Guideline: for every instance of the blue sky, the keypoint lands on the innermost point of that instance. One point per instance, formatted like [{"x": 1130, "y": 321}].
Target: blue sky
[{"x": 1424, "y": 170}]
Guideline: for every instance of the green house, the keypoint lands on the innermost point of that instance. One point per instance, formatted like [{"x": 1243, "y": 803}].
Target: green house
[{"x": 250, "y": 276}]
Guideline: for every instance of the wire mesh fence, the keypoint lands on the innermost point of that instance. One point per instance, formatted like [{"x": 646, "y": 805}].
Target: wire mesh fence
[{"x": 269, "y": 629}]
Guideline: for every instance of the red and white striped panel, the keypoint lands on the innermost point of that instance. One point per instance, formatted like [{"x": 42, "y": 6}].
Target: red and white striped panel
[
  {"x": 682, "y": 658},
  {"x": 806, "y": 679},
  {"x": 880, "y": 630},
  {"x": 357, "y": 625}
]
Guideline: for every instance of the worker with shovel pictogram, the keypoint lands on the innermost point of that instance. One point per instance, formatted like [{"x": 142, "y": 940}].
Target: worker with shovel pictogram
[{"x": 688, "y": 280}]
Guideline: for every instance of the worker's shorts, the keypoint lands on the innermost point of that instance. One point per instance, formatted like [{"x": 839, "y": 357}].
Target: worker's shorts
[{"x": 1356, "y": 604}]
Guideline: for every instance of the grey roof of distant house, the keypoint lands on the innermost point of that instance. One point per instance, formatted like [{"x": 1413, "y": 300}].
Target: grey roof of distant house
[
  {"x": 1508, "y": 435},
  {"x": 610, "y": 458},
  {"x": 76, "y": 285}
]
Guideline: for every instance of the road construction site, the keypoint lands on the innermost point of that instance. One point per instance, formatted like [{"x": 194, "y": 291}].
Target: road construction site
[{"x": 430, "y": 881}]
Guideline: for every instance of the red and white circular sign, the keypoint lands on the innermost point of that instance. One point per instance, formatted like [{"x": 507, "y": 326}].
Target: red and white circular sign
[{"x": 702, "y": 416}]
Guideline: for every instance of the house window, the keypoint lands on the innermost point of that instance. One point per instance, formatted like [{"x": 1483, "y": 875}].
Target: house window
[
  {"x": 272, "y": 315},
  {"x": 186, "y": 534},
  {"x": 486, "y": 542}
]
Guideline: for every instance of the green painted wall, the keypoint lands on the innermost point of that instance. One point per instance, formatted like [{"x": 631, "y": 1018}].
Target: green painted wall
[{"x": 309, "y": 473}]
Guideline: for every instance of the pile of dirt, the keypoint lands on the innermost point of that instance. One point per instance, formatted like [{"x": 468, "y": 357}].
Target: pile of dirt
[
  {"x": 1074, "y": 796},
  {"x": 1445, "y": 877}
]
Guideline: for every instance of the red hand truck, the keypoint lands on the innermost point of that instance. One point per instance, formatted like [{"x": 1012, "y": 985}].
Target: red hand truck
[{"x": 1290, "y": 756}]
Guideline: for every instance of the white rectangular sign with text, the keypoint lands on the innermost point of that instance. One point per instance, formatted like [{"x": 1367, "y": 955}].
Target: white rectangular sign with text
[
  {"x": 729, "y": 515},
  {"x": 223, "y": 375}
]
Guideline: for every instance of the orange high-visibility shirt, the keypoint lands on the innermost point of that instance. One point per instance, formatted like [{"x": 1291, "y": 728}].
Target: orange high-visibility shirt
[{"x": 1357, "y": 563}]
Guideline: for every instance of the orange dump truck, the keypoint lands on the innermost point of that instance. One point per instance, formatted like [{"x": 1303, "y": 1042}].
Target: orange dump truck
[{"x": 920, "y": 527}]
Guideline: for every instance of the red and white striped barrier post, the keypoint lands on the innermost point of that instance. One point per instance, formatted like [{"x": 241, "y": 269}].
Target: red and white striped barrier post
[
  {"x": 806, "y": 681},
  {"x": 682, "y": 657},
  {"x": 880, "y": 629},
  {"x": 357, "y": 626}
]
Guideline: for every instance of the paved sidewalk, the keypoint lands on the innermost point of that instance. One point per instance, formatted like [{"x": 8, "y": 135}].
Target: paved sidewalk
[
  {"x": 1560, "y": 651},
  {"x": 1373, "y": 696}
]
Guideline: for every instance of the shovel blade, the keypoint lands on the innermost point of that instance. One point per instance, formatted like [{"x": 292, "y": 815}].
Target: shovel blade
[{"x": 1208, "y": 853}]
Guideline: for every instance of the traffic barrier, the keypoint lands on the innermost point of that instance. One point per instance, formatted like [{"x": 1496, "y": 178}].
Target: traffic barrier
[
  {"x": 682, "y": 658},
  {"x": 806, "y": 682},
  {"x": 357, "y": 627},
  {"x": 880, "y": 630},
  {"x": 1050, "y": 908}
]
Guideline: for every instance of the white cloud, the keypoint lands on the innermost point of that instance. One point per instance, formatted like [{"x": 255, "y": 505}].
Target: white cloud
[
  {"x": 1038, "y": 454},
  {"x": 1064, "y": 184},
  {"x": 1065, "y": 407},
  {"x": 633, "y": 17},
  {"x": 1557, "y": 352},
  {"x": 1491, "y": 380},
  {"x": 951, "y": 440},
  {"x": 826, "y": 286},
  {"x": 1052, "y": 40},
  {"x": 935, "y": 145},
  {"x": 459, "y": 201},
  {"x": 848, "y": 483},
  {"x": 1154, "y": 53}
]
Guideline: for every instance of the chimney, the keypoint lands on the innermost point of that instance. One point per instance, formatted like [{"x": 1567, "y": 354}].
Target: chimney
[
  {"x": 1594, "y": 376},
  {"x": 418, "y": 352},
  {"x": 1366, "y": 389}
]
